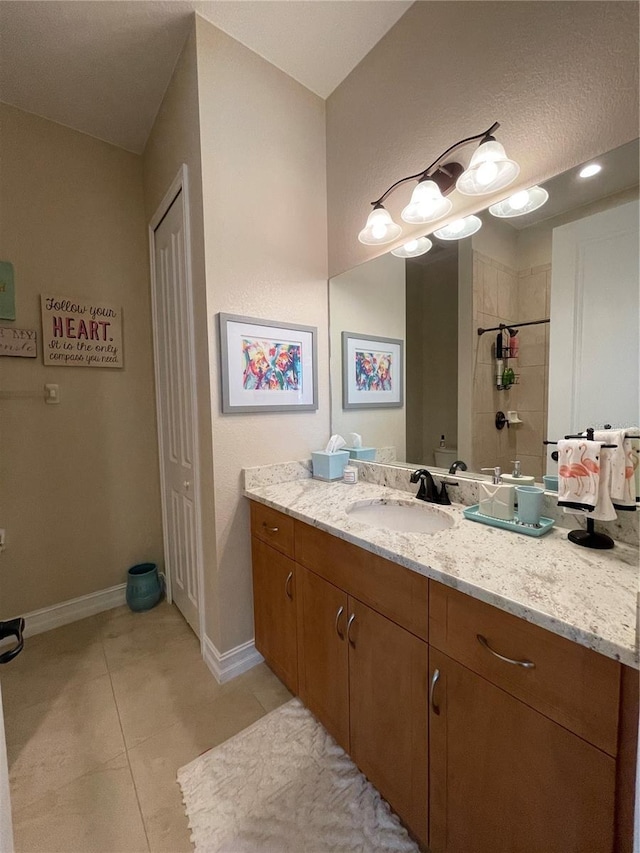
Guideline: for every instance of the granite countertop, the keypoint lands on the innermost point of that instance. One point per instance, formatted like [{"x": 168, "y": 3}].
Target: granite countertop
[{"x": 588, "y": 596}]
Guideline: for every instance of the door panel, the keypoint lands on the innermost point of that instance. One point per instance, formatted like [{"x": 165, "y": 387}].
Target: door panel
[
  {"x": 275, "y": 591},
  {"x": 175, "y": 403},
  {"x": 324, "y": 674},
  {"x": 6, "y": 833},
  {"x": 505, "y": 779},
  {"x": 388, "y": 703}
]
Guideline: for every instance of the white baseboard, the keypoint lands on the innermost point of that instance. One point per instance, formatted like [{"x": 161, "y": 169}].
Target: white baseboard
[
  {"x": 227, "y": 665},
  {"x": 74, "y": 609}
]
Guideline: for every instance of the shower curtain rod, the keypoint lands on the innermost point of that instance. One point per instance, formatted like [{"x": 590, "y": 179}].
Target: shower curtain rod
[{"x": 503, "y": 326}]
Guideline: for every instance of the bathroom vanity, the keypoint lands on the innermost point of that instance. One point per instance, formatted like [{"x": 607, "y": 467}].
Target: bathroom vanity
[{"x": 485, "y": 683}]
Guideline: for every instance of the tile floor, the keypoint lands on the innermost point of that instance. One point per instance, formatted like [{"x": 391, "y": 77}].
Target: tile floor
[{"x": 99, "y": 716}]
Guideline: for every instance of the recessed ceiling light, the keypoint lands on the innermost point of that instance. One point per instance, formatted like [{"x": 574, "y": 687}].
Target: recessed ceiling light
[{"x": 590, "y": 170}]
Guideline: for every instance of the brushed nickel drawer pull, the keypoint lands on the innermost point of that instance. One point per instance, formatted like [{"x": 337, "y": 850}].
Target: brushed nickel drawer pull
[
  {"x": 352, "y": 619},
  {"x": 527, "y": 664},
  {"x": 287, "y": 585},
  {"x": 338, "y": 615},
  {"x": 434, "y": 680},
  {"x": 270, "y": 529}
]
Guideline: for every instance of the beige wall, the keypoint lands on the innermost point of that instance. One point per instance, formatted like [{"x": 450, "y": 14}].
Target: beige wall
[
  {"x": 174, "y": 140},
  {"x": 368, "y": 300},
  {"x": 560, "y": 77},
  {"x": 264, "y": 190},
  {"x": 79, "y": 493}
]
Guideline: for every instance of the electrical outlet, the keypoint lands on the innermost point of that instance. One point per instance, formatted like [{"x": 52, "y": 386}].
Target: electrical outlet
[{"x": 2, "y": 538}]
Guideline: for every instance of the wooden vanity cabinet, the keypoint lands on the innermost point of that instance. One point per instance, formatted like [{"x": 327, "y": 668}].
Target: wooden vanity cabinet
[
  {"x": 365, "y": 678},
  {"x": 275, "y": 592},
  {"x": 323, "y": 659},
  {"x": 500, "y": 757},
  {"x": 523, "y": 735},
  {"x": 353, "y": 623},
  {"x": 505, "y": 778}
]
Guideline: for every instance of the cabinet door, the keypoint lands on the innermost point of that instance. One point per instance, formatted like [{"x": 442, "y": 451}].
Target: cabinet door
[
  {"x": 506, "y": 779},
  {"x": 324, "y": 661},
  {"x": 388, "y": 669},
  {"x": 274, "y": 598}
]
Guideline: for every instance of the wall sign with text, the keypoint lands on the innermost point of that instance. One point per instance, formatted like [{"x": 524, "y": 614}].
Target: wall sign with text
[
  {"x": 21, "y": 343},
  {"x": 81, "y": 333}
]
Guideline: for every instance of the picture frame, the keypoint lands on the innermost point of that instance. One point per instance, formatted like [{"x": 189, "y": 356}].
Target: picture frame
[
  {"x": 267, "y": 366},
  {"x": 372, "y": 372}
]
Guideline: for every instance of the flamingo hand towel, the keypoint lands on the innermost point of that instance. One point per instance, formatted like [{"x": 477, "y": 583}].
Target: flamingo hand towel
[
  {"x": 624, "y": 465},
  {"x": 578, "y": 474}
]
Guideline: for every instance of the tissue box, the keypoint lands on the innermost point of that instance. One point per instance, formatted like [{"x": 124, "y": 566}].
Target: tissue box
[
  {"x": 329, "y": 466},
  {"x": 366, "y": 453}
]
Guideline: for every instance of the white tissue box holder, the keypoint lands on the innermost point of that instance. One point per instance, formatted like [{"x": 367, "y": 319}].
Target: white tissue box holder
[{"x": 329, "y": 466}]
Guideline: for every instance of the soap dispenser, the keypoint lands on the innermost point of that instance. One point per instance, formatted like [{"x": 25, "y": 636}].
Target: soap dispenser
[
  {"x": 517, "y": 478},
  {"x": 496, "y": 498}
]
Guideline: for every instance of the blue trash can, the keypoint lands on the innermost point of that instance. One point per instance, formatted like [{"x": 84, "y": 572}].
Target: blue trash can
[{"x": 144, "y": 589}]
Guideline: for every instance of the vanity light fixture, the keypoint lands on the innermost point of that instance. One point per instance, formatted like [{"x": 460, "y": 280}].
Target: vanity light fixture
[
  {"x": 380, "y": 228},
  {"x": 520, "y": 203},
  {"x": 590, "y": 170},
  {"x": 413, "y": 248},
  {"x": 489, "y": 170},
  {"x": 459, "y": 229}
]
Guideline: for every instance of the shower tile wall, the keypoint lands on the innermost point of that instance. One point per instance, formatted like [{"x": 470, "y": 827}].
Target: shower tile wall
[{"x": 502, "y": 295}]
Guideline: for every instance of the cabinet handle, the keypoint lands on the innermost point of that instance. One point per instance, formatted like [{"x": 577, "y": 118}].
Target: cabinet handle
[
  {"x": 269, "y": 529},
  {"x": 352, "y": 619},
  {"x": 338, "y": 615},
  {"x": 527, "y": 664},
  {"x": 434, "y": 680},
  {"x": 287, "y": 586}
]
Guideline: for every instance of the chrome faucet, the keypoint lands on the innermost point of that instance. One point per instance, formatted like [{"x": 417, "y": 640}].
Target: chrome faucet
[{"x": 428, "y": 490}]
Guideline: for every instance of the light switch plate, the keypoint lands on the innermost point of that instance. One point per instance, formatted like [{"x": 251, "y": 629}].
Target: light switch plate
[{"x": 52, "y": 394}]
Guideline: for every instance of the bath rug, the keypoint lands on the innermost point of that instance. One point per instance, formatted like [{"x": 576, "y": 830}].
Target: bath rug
[{"x": 284, "y": 786}]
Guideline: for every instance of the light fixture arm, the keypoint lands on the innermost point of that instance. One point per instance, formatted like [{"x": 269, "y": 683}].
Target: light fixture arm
[{"x": 427, "y": 172}]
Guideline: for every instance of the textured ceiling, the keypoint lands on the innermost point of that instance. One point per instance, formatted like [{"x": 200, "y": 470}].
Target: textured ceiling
[{"x": 103, "y": 67}]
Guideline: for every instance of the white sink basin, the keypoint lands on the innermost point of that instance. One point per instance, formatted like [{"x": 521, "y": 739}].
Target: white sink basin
[{"x": 403, "y": 517}]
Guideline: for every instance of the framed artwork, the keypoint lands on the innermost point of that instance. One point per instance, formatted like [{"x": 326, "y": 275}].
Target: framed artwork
[
  {"x": 267, "y": 366},
  {"x": 371, "y": 372}
]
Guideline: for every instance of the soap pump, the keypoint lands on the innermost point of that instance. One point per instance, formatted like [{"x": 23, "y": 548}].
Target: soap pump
[
  {"x": 497, "y": 498},
  {"x": 517, "y": 478}
]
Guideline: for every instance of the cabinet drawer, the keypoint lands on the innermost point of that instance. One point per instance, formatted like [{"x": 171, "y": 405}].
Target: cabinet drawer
[
  {"x": 397, "y": 593},
  {"x": 272, "y": 527},
  {"x": 569, "y": 683}
]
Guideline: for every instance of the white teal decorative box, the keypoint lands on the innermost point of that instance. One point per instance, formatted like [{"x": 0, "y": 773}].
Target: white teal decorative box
[
  {"x": 329, "y": 466},
  {"x": 368, "y": 454}
]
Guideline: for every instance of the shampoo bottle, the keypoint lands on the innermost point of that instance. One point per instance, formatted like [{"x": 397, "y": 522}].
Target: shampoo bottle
[{"x": 497, "y": 499}]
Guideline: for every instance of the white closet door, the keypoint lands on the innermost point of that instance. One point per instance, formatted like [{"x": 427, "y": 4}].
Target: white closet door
[{"x": 176, "y": 394}]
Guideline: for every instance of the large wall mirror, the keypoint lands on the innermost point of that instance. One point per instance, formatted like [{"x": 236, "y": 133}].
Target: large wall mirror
[{"x": 563, "y": 278}]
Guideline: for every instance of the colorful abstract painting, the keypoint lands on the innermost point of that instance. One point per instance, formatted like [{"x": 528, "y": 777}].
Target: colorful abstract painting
[
  {"x": 270, "y": 365},
  {"x": 373, "y": 371}
]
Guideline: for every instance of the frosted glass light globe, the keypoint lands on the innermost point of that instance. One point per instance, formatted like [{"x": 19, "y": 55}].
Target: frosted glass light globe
[
  {"x": 427, "y": 204},
  {"x": 489, "y": 170},
  {"x": 459, "y": 229},
  {"x": 520, "y": 203},
  {"x": 380, "y": 228},
  {"x": 413, "y": 248}
]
